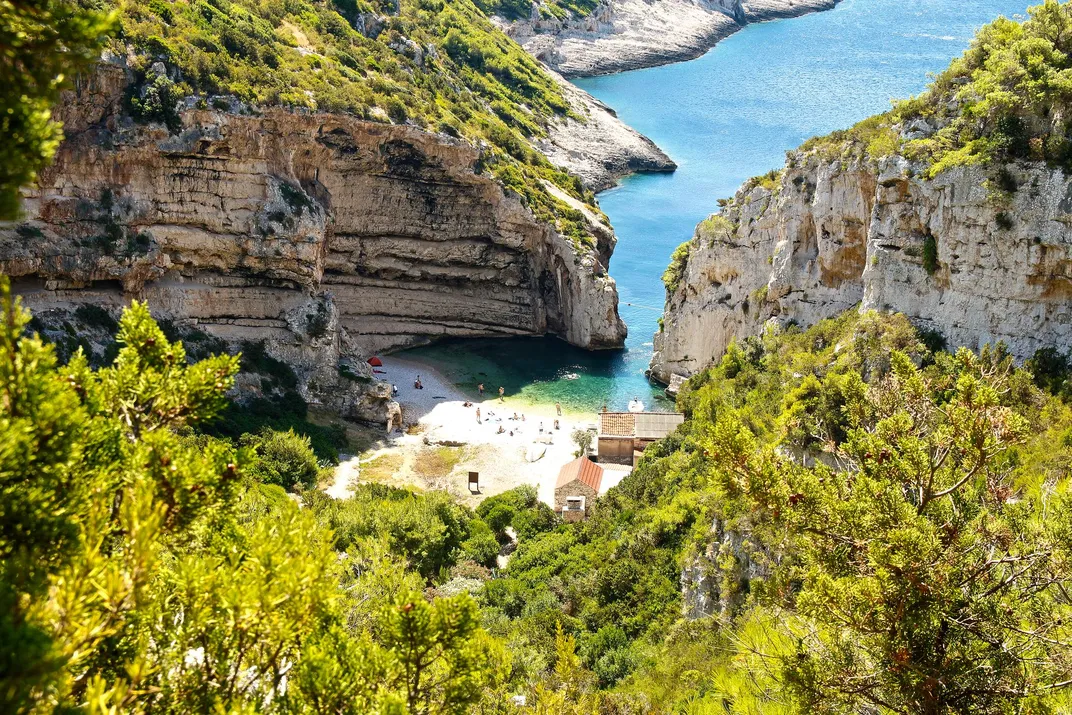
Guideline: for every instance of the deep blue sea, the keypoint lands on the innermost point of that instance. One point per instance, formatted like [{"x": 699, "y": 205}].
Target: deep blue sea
[{"x": 723, "y": 118}]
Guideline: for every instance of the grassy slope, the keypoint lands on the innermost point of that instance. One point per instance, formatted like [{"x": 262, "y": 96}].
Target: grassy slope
[
  {"x": 1007, "y": 98},
  {"x": 520, "y": 9},
  {"x": 441, "y": 66}
]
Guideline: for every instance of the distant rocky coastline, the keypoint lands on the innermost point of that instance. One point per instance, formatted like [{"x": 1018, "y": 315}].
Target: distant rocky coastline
[
  {"x": 601, "y": 149},
  {"x": 622, "y": 35}
]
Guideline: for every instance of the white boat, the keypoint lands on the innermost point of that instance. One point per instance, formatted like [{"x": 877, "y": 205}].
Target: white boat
[{"x": 635, "y": 405}]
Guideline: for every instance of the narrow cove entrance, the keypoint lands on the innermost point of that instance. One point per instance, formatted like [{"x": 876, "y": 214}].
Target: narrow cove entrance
[{"x": 724, "y": 117}]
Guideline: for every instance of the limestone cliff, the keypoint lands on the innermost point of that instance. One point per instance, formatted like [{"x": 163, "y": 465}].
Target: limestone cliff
[
  {"x": 327, "y": 237},
  {"x": 596, "y": 145},
  {"x": 622, "y": 35},
  {"x": 977, "y": 254}
]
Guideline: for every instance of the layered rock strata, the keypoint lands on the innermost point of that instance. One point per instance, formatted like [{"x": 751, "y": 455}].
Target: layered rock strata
[
  {"x": 955, "y": 253},
  {"x": 326, "y": 237},
  {"x": 622, "y": 35}
]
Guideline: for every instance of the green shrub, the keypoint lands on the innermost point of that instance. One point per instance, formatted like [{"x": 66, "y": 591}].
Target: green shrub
[
  {"x": 930, "y": 254},
  {"x": 156, "y": 100},
  {"x": 481, "y": 546},
  {"x": 519, "y": 508},
  {"x": 1051, "y": 370},
  {"x": 285, "y": 459},
  {"x": 430, "y": 530},
  {"x": 675, "y": 272},
  {"x": 94, "y": 316}
]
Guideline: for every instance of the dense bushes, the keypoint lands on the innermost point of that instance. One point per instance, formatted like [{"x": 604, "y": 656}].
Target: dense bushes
[
  {"x": 430, "y": 531},
  {"x": 675, "y": 272},
  {"x": 1005, "y": 99},
  {"x": 896, "y": 522},
  {"x": 519, "y": 508},
  {"x": 285, "y": 459},
  {"x": 155, "y": 99}
]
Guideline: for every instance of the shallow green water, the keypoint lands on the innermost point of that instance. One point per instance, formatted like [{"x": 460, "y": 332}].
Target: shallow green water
[
  {"x": 541, "y": 370},
  {"x": 724, "y": 117}
]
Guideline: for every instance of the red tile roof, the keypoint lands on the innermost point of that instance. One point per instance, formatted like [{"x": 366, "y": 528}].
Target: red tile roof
[
  {"x": 616, "y": 424},
  {"x": 584, "y": 469}
]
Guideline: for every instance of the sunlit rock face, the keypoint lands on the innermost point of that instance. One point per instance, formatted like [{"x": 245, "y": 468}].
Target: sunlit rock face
[
  {"x": 956, "y": 254},
  {"x": 326, "y": 237}
]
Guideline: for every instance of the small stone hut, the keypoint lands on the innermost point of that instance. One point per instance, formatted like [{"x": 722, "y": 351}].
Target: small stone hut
[{"x": 577, "y": 487}]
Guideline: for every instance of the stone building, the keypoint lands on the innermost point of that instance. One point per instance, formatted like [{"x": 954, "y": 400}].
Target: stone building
[
  {"x": 577, "y": 487},
  {"x": 623, "y": 436}
]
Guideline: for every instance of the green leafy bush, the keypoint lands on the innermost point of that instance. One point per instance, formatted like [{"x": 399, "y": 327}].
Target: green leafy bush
[
  {"x": 675, "y": 272},
  {"x": 155, "y": 99},
  {"x": 930, "y": 254},
  {"x": 519, "y": 508},
  {"x": 430, "y": 530},
  {"x": 285, "y": 459}
]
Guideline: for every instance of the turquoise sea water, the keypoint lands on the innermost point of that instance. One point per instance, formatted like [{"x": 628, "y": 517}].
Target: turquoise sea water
[{"x": 723, "y": 118}]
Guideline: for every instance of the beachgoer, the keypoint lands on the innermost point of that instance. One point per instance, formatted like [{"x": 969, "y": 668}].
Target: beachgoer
[
  {"x": 467, "y": 403},
  {"x": 501, "y": 430},
  {"x": 558, "y": 406},
  {"x": 511, "y": 433},
  {"x": 604, "y": 406},
  {"x": 480, "y": 389},
  {"x": 541, "y": 427},
  {"x": 515, "y": 417},
  {"x": 502, "y": 392},
  {"x": 556, "y": 424},
  {"x": 478, "y": 415},
  {"x": 522, "y": 416},
  {"x": 417, "y": 383}
]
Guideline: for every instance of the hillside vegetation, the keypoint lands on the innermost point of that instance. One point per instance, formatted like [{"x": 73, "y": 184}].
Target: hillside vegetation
[
  {"x": 441, "y": 66},
  {"x": 864, "y": 524},
  {"x": 522, "y": 9},
  {"x": 1007, "y": 98},
  {"x": 879, "y": 527}
]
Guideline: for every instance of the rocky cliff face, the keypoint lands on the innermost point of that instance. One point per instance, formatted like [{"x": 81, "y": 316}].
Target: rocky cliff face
[
  {"x": 599, "y": 147},
  {"x": 622, "y": 35},
  {"x": 978, "y": 255},
  {"x": 715, "y": 577},
  {"x": 326, "y": 237}
]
